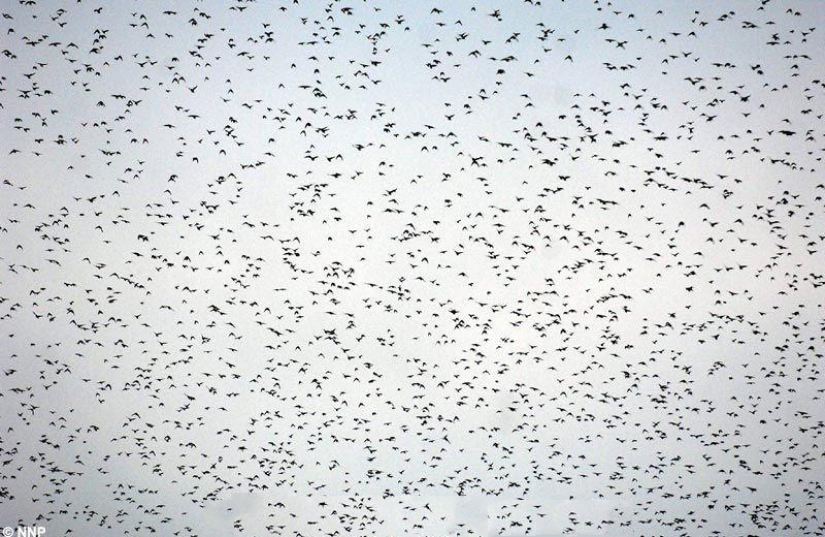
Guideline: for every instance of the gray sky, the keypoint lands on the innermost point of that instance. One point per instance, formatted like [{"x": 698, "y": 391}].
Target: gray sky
[{"x": 411, "y": 268}]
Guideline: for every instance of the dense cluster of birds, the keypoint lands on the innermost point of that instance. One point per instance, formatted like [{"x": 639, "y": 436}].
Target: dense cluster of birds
[{"x": 381, "y": 268}]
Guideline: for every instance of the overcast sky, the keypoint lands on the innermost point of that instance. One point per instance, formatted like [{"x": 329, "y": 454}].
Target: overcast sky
[{"x": 412, "y": 268}]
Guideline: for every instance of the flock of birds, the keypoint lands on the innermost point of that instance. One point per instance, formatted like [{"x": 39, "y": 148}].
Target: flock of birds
[{"x": 381, "y": 268}]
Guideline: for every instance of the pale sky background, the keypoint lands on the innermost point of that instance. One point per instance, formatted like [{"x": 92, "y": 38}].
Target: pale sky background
[{"x": 412, "y": 268}]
